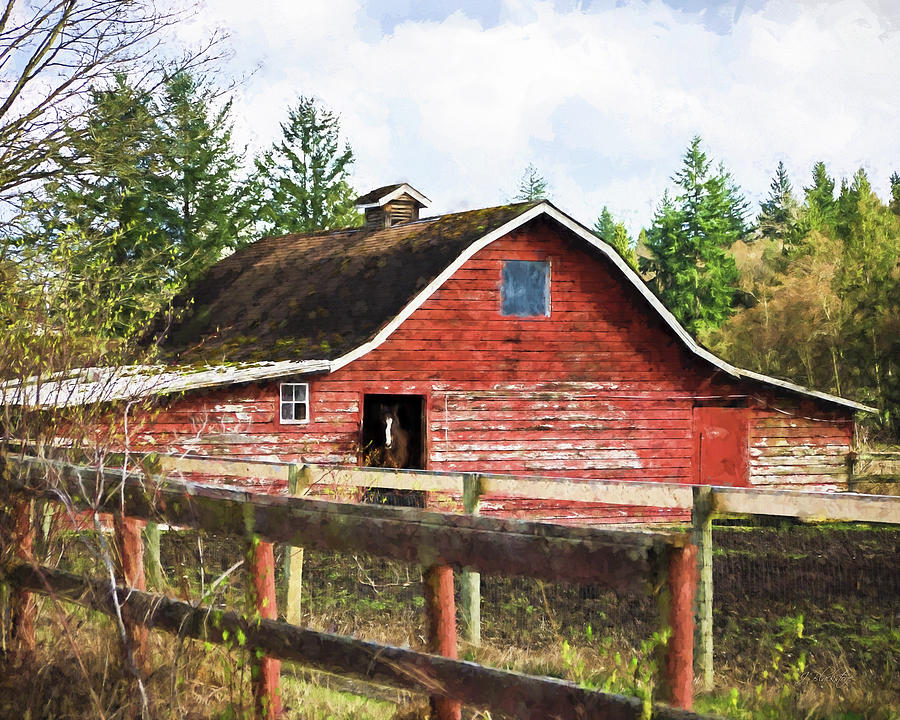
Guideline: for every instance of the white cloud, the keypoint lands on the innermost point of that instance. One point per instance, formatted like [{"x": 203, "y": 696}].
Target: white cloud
[{"x": 602, "y": 101}]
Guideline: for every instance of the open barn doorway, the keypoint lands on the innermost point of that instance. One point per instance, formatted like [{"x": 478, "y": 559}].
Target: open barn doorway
[{"x": 393, "y": 435}]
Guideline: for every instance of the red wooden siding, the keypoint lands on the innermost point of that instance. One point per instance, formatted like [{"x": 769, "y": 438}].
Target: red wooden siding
[{"x": 600, "y": 389}]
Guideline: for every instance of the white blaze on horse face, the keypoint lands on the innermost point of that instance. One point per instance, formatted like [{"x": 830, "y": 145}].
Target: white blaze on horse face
[{"x": 387, "y": 432}]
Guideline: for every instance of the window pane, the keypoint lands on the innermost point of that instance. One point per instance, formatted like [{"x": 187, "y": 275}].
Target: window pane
[
  {"x": 300, "y": 392},
  {"x": 525, "y": 290},
  {"x": 287, "y": 411},
  {"x": 287, "y": 392},
  {"x": 299, "y": 411}
]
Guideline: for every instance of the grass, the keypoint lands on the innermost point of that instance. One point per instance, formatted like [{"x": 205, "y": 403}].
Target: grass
[{"x": 313, "y": 702}]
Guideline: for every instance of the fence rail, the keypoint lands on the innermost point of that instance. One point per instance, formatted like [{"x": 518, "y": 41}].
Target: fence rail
[
  {"x": 704, "y": 502},
  {"x": 459, "y": 541},
  {"x": 438, "y": 542},
  {"x": 859, "y": 507},
  {"x": 513, "y": 694}
]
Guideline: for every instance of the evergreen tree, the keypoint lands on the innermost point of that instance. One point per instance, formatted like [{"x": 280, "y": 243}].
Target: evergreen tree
[
  {"x": 605, "y": 226},
  {"x": 105, "y": 190},
  {"x": 869, "y": 267},
  {"x": 301, "y": 182},
  {"x": 895, "y": 193},
  {"x": 624, "y": 245},
  {"x": 199, "y": 201},
  {"x": 819, "y": 205},
  {"x": 828, "y": 317},
  {"x": 779, "y": 212},
  {"x": 616, "y": 234},
  {"x": 152, "y": 182},
  {"x": 689, "y": 241},
  {"x": 532, "y": 186}
]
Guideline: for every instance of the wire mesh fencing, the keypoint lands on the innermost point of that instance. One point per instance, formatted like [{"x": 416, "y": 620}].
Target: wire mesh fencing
[{"x": 811, "y": 608}]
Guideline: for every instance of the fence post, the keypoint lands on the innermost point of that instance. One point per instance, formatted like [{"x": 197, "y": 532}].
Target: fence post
[
  {"x": 153, "y": 564},
  {"x": 264, "y": 670},
  {"x": 701, "y": 517},
  {"x": 130, "y": 547},
  {"x": 18, "y": 537},
  {"x": 299, "y": 478},
  {"x": 470, "y": 581},
  {"x": 676, "y": 604},
  {"x": 440, "y": 609}
]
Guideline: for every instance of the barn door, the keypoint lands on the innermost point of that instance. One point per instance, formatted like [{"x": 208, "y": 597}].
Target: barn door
[
  {"x": 393, "y": 435},
  {"x": 721, "y": 446}
]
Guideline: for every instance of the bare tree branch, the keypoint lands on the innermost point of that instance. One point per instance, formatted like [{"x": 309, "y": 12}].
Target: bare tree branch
[{"x": 52, "y": 53}]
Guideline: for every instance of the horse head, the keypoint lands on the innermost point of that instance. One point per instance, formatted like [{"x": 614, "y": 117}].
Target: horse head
[{"x": 396, "y": 439}]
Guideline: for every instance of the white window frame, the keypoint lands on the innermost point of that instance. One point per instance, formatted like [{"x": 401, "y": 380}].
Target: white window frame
[{"x": 282, "y": 401}]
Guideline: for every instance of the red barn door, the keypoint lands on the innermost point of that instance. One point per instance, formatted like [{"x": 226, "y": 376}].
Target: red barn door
[{"x": 721, "y": 446}]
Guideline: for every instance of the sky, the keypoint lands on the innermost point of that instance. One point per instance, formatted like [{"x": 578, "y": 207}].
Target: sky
[{"x": 602, "y": 97}]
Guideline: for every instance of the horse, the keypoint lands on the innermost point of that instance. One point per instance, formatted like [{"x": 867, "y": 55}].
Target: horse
[{"x": 396, "y": 440}]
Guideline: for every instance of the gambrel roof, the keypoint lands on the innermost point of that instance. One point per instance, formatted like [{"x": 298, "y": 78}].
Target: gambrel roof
[
  {"x": 338, "y": 295},
  {"x": 315, "y": 302}
]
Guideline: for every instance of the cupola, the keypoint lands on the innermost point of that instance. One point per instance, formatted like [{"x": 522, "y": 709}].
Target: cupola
[{"x": 391, "y": 205}]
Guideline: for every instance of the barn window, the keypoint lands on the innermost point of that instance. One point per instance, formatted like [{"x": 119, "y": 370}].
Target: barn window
[
  {"x": 525, "y": 290},
  {"x": 294, "y": 403}
]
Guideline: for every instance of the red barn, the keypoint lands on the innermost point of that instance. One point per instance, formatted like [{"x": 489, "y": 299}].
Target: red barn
[{"x": 509, "y": 339}]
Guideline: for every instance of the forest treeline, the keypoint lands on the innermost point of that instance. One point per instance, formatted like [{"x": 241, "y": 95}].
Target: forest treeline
[
  {"x": 143, "y": 188},
  {"x": 805, "y": 288}
]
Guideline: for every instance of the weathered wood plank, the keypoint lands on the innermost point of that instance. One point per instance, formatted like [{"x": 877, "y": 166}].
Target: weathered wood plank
[
  {"x": 507, "y": 693},
  {"x": 213, "y": 466},
  {"x": 130, "y": 549},
  {"x": 470, "y": 581},
  {"x": 298, "y": 483},
  {"x": 621, "y": 493},
  {"x": 877, "y": 464},
  {"x": 17, "y": 538},
  {"x": 265, "y": 670},
  {"x": 440, "y": 613},
  {"x": 676, "y": 601},
  {"x": 701, "y": 520},
  {"x": 387, "y": 478},
  {"x": 625, "y": 493},
  {"x": 574, "y": 554},
  {"x": 812, "y": 506}
]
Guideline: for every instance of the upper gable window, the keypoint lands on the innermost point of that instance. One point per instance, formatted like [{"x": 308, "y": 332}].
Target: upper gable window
[
  {"x": 294, "y": 403},
  {"x": 525, "y": 290}
]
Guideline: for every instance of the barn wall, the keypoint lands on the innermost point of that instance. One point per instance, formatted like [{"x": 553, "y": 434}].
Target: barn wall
[
  {"x": 597, "y": 390},
  {"x": 800, "y": 446}
]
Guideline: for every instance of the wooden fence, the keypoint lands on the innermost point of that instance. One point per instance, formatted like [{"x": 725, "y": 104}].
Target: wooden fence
[
  {"x": 705, "y": 503},
  {"x": 440, "y": 543}
]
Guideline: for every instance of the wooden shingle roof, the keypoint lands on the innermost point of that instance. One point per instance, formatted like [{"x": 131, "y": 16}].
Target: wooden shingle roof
[{"x": 319, "y": 295}]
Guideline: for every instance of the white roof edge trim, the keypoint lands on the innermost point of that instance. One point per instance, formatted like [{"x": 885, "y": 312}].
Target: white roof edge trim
[
  {"x": 788, "y": 385},
  {"x": 109, "y": 384},
  {"x": 394, "y": 194},
  {"x": 545, "y": 208}
]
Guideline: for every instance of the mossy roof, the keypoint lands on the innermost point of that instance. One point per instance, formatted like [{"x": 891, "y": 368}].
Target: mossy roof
[{"x": 319, "y": 295}]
